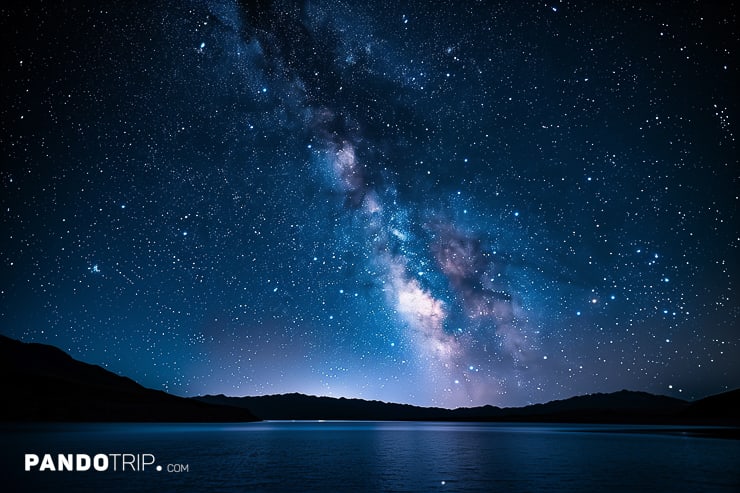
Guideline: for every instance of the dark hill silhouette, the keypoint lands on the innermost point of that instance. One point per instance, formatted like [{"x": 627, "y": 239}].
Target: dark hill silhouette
[
  {"x": 43, "y": 383},
  {"x": 617, "y": 407},
  {"x": 309, "y": 407},
  {"x": 721, "y": 408}
]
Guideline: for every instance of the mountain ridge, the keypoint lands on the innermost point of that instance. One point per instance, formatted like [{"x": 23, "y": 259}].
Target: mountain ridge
[
  {"x": 43, "y": 383},
  {"x": 624, "y": 406}
]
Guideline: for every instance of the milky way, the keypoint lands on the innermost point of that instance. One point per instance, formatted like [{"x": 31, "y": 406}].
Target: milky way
[{"x": 454, "y": 204}]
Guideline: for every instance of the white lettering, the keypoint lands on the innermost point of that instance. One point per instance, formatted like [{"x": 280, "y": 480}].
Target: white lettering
[
  {"x": 145, "y": 462},
  {"x": 47, "y": 464},
  {"x": 65, "y": 462},
  {"x": 83, "y": 462},
  {"x": 100, "y": 462},
  {"x": 31, "y": 461}
]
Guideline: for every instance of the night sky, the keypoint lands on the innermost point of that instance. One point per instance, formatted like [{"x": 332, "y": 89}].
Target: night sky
[{"x": 437, "y": 203}]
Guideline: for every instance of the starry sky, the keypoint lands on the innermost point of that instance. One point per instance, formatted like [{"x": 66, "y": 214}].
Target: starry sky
[{"x": 436, "y": 203}]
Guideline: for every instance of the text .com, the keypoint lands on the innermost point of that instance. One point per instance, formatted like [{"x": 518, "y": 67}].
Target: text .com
[{"x": 98, "y": 462}]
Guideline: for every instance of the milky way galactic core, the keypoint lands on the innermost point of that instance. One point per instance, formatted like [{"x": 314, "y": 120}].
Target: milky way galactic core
[{"x": 437, "y": 203}]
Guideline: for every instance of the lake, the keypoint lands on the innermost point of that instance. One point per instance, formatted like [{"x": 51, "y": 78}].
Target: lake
[{"x": 366, "y": 456}]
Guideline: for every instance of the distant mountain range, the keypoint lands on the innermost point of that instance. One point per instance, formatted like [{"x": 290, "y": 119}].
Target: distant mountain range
[
  {"x": 619, "y": 407},
  {"x": 43, "y": 383}
]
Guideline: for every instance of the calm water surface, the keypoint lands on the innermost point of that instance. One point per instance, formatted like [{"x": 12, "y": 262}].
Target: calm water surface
[{"x": 377, "y": 456}]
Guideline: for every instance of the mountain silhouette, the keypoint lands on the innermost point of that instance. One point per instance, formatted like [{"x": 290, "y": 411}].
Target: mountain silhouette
[
  {"x": 43, "y": 383},
  {"x": 724, "y": 407},
  {"x": 618, "y": 407}
]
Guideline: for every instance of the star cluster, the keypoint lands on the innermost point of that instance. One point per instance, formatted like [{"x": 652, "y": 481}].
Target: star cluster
[{"x": 437, "y": 203}]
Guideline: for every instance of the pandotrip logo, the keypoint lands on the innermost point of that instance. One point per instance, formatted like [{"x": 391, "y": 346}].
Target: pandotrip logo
[{"x": 116, "y": 462}]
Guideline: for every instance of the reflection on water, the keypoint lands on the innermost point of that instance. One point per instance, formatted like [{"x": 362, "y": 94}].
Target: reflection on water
[{"x": 378, "y": 456}]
